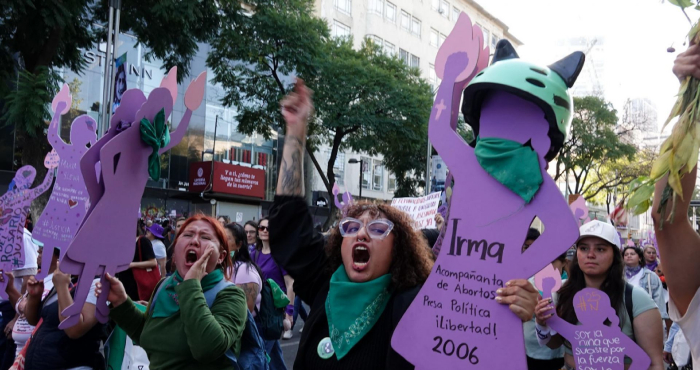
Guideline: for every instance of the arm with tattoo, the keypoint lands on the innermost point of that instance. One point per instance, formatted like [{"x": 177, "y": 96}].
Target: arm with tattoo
[
  {"x": 296, "y": 108},
  {"x": 251, "y": 294}
]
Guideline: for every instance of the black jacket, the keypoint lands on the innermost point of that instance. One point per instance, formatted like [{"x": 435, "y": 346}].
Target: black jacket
[{"x": 298, "y": 248}]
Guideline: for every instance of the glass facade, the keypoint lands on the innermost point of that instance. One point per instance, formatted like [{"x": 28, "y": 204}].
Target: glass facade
[{"x": 138, "y": 72}]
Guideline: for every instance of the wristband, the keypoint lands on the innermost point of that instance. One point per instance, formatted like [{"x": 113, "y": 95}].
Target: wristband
[
  {"x": 543, "y": 332},
  {"x": 289, "y": 310}
]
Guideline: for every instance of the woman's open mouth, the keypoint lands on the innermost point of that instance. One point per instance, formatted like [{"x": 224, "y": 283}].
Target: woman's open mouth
[
  {"x": 190, "y": 257},
  {"x": 360, "y": 257}
]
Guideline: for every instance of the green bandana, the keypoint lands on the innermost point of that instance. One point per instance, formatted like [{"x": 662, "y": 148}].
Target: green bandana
[
  {"x": 513, "y": 164},
  {"x": 167, "y": 303},
  {"x": 279, "y": 297},
  {"x": 354, "y": 308},
  {"x": 157, "y": 136}
]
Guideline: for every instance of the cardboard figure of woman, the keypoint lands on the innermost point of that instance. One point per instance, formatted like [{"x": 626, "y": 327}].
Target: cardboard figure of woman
[
  {"x": 67, "y": 204},
  {"x": 594, "y": 344},
  {"x": 136, "y": 139},
  {"x": 520, "y": 114},
  {"x": 14, "y": 207}
]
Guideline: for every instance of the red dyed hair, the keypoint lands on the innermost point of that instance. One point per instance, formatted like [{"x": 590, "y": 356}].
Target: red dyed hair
[{"x": 220, "y": 235}]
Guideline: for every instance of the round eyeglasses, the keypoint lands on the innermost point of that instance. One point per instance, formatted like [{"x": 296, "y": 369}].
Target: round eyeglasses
[{"x": 376, "y": 229}]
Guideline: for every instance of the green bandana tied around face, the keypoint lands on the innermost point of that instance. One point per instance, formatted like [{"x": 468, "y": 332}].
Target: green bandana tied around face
[
  {"x": 513, "y": 164},
  {"x": 157, "y": 136},
  {"x": 354, "y": 308},
  {"x": 167, "y": 304}
]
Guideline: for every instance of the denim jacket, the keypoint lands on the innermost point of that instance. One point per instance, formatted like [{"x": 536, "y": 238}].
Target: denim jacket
[{"x": 651, "y": 283}]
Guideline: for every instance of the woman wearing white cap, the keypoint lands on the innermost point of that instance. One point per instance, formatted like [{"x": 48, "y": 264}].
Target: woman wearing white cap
[{"x": 598, "y": 264}]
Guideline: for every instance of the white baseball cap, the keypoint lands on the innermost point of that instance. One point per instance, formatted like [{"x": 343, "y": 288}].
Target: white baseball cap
[{"x": 601, "y": 230}]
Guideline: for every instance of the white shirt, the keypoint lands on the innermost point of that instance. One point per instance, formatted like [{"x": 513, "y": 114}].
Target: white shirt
[
  {"x": 636, "y": 279},
  {"x": 159, "y": 249},
  {"x": 690, "y": 324},
  {"x": 31, "y": 251}
]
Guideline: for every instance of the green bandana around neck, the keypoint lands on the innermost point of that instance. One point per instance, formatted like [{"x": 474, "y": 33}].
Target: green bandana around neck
[
  {"x": 167, "y": 303},
  {"x": 354, "y": 308},
  {"x": 157, "y": 136},
  {"x": 513, "y": 164}
]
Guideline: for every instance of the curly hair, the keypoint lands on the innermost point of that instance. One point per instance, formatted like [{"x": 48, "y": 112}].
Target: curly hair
[{"x": 411, "y": 259}]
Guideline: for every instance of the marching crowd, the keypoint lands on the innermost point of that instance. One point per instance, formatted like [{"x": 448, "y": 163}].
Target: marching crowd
[{"x": 207, "y": 293}]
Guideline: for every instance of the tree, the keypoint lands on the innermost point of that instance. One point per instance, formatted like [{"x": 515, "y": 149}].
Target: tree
[
  {"x": 593, "y": 141},
  {"x": 365, "y": 100},
  {"x": 38, "y": 37}
]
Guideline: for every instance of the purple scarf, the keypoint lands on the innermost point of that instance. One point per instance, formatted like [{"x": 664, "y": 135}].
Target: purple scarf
[
  {"x": 652, "y": 266},
  {"x": 631, "y": 271}
]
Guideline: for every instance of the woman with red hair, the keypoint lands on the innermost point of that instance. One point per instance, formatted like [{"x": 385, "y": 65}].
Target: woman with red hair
[{"x": 181, "y": 329}]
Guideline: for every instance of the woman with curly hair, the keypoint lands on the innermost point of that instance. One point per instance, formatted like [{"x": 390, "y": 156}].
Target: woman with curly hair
[{"x": 360, "y": 282}]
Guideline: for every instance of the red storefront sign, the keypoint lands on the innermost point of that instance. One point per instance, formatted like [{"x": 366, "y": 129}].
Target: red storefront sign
[{"x": 227, "y": 178}]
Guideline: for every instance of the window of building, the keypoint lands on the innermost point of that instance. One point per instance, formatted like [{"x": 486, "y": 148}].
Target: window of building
[
  {"x": 405, "y": 21},
  {"x": 444, "y": 9},
  {"x": 340, "y": 29},
  {"x": 378, "y": 175},
  {"x": 376, "y": 40},
  {"x": 455, "y": 14},
  {"x": 338, "y": 165},
  {"x": 344, "y": 6},
  {"x": 389, "y": 48},
  {"x": 404, "y": 56},
  {"x": 494, "y": 41},
  {"x": 392, "y": 183},
  {"x": 415, "y": 26},
  {"x": 487, "y": 34},
  {"x": 441, "y": 39},
  {"x": 415, "y": 61},
  {"x": 366, "y": 172},
  {"x": 376, "y": 6},
  {"x": 390, "y": 13},
  {"x": 435, "y": 4},
  {"x": 432, "y": 77},
  {"x": 434, "y": 37}
]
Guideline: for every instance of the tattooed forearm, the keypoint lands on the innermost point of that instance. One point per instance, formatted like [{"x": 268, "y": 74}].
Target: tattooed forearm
[
  {"x": 251, "y": 294},
  {"x": 291, "y": 181}
]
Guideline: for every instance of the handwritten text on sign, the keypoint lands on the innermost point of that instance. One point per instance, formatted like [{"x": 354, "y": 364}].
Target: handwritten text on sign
[{"x": 422, "y": 209}]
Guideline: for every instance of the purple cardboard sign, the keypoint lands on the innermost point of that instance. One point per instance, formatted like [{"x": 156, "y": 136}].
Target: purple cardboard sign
[
  {"x": 455, "y": 322},
  {"x": 580, "y": 210},
  {"x": 14, "y": 207},
  {"x": 67, "y": 204},
  {"x": 123, "y": 156},
  {"x": 596, "y": 346}
]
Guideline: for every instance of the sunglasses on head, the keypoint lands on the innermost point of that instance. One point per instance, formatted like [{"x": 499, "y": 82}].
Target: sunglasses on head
[
  {"x": 376, "y": 229},
  {"x": 262, "y": 228}
]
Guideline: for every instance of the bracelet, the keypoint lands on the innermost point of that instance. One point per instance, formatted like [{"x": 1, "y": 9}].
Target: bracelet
[{"x": 543, "y": 332}]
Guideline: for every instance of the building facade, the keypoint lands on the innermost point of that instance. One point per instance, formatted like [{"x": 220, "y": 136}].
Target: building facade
[{"x": 413, "y": 30}]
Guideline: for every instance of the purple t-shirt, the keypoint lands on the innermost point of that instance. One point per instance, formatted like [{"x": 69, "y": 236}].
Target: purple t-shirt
[{"x": 270, "y": 269}]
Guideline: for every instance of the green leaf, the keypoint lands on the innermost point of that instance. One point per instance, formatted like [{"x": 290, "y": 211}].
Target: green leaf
[
  {"x": 681, "y": 3},
  {"x": 641, "y": 194}
]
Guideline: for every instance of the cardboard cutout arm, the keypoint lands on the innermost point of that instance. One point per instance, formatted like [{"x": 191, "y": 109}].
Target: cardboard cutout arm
[
  {"x": 179, "y": 133},
  {"x": 446, "y": 141},
  {"x": 87, "y": 167},
  {"x": 640, "y": 360},
  {"x": 44, "y": 186},
  {"x": 52, "y": 134},
  {"x": 562, "y": 327},
  {"x": 193, "y": 98},
  {"x": 561, "y": 230},
  {"x": 107, "y": 154}
]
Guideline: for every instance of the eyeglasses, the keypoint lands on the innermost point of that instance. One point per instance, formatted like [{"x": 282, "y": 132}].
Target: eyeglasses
[
  {"x": 376, "y": 229},
  {"x": 250, "y": 232},
  {"x": 262, "y": 228}
]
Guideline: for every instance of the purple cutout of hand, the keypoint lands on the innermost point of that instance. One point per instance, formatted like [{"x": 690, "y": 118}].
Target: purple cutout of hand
[
  {"x": 487, "y": 226},
  {"x": 69, "y": 194},
  {"x": 118, "y": 191}
]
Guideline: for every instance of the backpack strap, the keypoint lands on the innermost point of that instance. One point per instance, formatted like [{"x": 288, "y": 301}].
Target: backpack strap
[
  {"x": 210, "y": 295},
  {"x": 156, "y": 291},
  {"x": 628, "y": 304}
]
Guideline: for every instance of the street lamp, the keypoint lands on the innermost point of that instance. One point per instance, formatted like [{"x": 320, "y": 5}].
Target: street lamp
[{"x": 362, "y": 165}]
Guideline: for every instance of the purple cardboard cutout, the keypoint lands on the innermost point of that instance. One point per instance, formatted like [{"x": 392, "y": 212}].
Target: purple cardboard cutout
[
  {"x": 580, "y": 210},
  {"x": 14, "y": 207},
  {"x": 124, "y": 164},
  {"x": 67, "y": 204},
  {"x": 595, "y": 345},
  {"x": 347, "y": 202},
  {"x": 454, "y": 322}
]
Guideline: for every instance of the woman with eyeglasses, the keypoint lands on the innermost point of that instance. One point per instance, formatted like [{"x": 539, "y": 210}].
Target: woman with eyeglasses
[
  {"x": 271, "y": 270},
  {"x": 251, "y": 234},
  {"x": 360, "y": 282}
]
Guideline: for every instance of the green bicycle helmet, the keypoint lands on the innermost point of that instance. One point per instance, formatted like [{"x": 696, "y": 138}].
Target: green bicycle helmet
[{"x": 546, "y": 87}]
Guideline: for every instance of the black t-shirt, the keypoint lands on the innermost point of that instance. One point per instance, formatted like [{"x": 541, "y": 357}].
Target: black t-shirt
[{"x": 127, "y": 276}]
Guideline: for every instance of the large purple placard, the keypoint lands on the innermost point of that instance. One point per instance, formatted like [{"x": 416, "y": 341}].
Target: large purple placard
[
  {"x": 124, "y": 161},
  {"x": 67, "y": 204},
  {"x": 14, "y": 207},
  {"x": 455, "y": 322}
]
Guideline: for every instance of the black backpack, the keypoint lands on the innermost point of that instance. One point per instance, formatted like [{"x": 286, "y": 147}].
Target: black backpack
[{"x": 270, "y": 319}]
